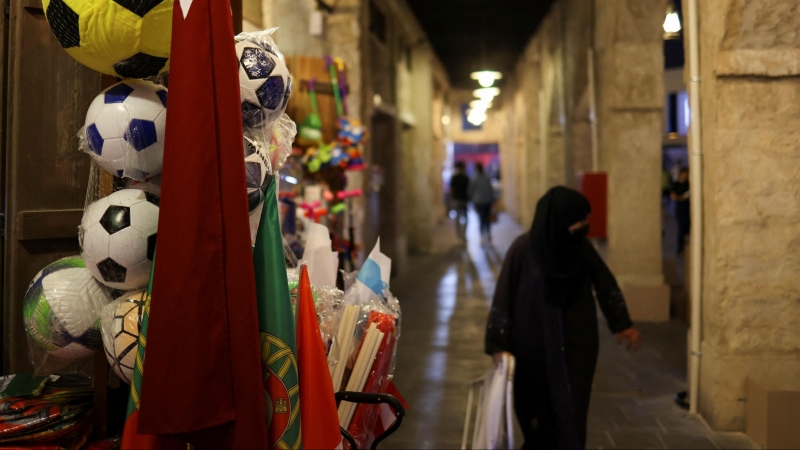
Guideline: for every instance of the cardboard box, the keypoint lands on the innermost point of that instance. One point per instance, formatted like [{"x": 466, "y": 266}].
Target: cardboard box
[{"x": 773, "y": 416}]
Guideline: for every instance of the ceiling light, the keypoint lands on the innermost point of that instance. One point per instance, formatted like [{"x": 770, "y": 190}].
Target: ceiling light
[
  {"x": 487, "y": 94},
  {"x": 480, "y": 104},
  {"x": 445, "y": 120},
  {"x": 476, "y": 117},
  {"x": 672, "y": 23},
  {"x": 486, "y": 78}
]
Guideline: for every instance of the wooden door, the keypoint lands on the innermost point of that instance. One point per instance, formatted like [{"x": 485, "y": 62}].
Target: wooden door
[{"x": 47, "y": 94}]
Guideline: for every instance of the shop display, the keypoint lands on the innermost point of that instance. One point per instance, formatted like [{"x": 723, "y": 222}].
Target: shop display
[
  {"x": 121, "y": 320},
  {"x": 61, "y": 312},
  {"x": 69, "y": 313},
  {"x": 118, "y": 238},
  {"x": 125, "y": 127},
  {"x": 125, "y": 39}
]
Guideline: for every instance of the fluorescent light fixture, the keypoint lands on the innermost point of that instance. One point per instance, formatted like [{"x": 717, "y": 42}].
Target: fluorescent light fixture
[
  {"x": 487, "y": 94},
  {"x": 486, "y": 78},
  {"x": 480, "y": 104},
  {"x": 476, "y": 117}
]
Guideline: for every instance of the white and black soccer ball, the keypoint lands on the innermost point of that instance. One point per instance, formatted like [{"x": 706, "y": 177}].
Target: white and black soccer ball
[
  {"x": 118, "y": 238},
  {"x": 125, "y": 128},
  {"x": 256, "y": 172},
  {"x": 264, "y": 82},
  {"x": 122, "y": 320}
]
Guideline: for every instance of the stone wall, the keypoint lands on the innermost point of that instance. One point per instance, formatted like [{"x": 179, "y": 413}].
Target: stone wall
[{"x": 750, "y": 97}]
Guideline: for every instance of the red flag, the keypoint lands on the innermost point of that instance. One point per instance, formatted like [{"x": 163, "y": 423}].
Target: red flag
[
  {"x": 203, "y": 379},
  {"x": 319, "y": 419}
]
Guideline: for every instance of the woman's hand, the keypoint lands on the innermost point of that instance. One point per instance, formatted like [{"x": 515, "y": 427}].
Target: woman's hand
[
  {"x": 498, "y": 357},
  {"x": 632, "y": 337}
]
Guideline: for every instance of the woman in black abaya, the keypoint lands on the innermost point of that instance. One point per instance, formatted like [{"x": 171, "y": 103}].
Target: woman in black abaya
[{"x": 544, "y": 314}]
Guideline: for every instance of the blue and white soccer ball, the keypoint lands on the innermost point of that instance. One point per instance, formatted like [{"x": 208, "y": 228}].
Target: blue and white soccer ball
[
  {"x": 264, "y": 83},
  {"x": 125, "y": 129}
]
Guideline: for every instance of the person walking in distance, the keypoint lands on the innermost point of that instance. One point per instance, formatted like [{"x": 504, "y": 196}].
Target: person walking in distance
[
  {"x": 459, "y": 196},
  {"x": 543, "y": 312},
  {"x": 680, "y": 195},
  {"x": 481, "y": 194}
]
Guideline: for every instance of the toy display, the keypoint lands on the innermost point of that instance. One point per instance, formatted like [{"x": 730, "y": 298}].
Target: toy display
[{"x": 100, "y": 299}]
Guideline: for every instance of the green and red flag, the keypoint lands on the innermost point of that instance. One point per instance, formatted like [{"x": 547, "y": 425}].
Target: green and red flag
[
  {"x": 203, "y": 380},
  {"x": 277, "y": 330},
  {"x": 131, "y": 439}
]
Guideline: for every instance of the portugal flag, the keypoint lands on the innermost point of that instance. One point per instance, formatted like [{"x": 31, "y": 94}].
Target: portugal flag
[
  {"x": 318, "y": 413},
  {"x": 276, "y": 323},
  {"x": 203, "y": 380},
  {"x": 131, "y": 439}
]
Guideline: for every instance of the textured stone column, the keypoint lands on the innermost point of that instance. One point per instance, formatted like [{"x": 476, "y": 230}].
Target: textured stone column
[
  {"x": 750, "y": 109},
  {"x": 554, "y": 161},
  {"x": 417, "y": 149},
  {"x": 630, "y": 71}
]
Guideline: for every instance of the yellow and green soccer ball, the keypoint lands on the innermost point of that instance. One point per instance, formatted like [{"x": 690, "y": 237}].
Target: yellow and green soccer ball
[{"x": 123, "y": 38}]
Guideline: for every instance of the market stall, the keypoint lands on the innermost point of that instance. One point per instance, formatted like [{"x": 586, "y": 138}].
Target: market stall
[{"x": 207, "y": 187}]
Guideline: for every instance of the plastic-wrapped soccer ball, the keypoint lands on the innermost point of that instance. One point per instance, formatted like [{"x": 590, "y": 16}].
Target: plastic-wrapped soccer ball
[
  {"x": 61, "y": 310},
  {"x": 123, "y": 38},
  {"x": 118, "y": 238},
  {"x": 121, "y": 320},
  {"x": 256, "y": 168},
  {"x": 264, "y": 83},
  {"x": 125, "y": 127}
]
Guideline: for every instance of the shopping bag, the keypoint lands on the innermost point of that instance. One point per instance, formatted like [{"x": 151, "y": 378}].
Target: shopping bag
[{"x": 494, "y": 417}]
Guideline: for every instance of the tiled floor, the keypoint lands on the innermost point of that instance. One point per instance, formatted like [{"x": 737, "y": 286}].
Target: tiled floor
[{"x": 445, "y": 298}]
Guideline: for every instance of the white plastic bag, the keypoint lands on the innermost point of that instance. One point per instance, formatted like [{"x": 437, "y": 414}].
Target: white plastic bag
[{"x": 494, "y": 418}]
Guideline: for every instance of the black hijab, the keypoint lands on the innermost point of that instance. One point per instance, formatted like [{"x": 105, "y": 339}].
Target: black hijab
[{"x": 560, "y": 254}]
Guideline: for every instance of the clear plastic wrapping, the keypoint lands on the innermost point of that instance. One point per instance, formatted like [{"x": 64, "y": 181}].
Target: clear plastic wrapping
[
  {"x": 125, "y": 128},
  {"x": 117, "y": 236},
  {"x": 369, "y": 343},
  {"x": 121, "y": 320},
  {"x": 264, "y": 80},
  {"x": 61, "y": 315}
]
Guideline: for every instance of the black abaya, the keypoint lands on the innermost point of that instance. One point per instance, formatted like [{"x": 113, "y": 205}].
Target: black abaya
[{"x": 555, "y": 340}]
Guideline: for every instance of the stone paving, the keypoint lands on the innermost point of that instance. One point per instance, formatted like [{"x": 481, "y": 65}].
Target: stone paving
[{"x": 445, "y": 298}]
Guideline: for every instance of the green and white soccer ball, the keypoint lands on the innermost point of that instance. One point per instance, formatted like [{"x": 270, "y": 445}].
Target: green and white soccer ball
[{"x": 62, "y": 308}]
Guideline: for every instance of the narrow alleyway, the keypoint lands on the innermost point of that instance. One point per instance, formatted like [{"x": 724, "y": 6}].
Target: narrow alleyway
[{"x": 445, "y": 298}]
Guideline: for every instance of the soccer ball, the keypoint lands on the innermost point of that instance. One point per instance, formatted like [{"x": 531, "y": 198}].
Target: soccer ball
[
  {"x": 118, "y": 238},
  {"x": 264, "y": 83},
  {"x": 123, "y": 38},
  {"x": 256, "y": 172},
  {"x": 61, "y": 310},
  {"x": 121, "y": 320},
  {"x": 125, "y": 129}
]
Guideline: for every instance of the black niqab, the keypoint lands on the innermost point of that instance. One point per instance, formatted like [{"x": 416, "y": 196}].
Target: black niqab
[{"x": 560, "y": 253}]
